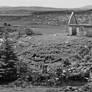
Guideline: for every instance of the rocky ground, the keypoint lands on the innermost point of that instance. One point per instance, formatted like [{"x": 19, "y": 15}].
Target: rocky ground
[{"x": 73, "y": 54}]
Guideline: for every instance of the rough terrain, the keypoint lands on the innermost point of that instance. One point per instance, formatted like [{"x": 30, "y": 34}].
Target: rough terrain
[
  {"x": 67, "y": 60},
  {"x": 54, "y": 50}
]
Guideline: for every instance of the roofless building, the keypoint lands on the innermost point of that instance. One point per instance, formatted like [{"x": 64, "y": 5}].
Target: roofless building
[{"x": 78, "y": 29}]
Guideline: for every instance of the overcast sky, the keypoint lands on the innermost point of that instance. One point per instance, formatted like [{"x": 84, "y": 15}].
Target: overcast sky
[{"x": 47, "y": 3}]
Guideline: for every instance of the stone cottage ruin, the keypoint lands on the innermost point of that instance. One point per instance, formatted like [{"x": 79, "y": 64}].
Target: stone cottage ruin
[{"x": 75, "y": 28}]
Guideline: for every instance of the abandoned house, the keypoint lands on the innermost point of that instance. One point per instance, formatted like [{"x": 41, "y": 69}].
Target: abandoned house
[{"x": 78, "y": 29}]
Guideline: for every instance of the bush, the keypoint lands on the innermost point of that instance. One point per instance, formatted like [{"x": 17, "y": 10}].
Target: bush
[
  {"x": 66, "y": 62},
  {"x": 29, "y": 32}
]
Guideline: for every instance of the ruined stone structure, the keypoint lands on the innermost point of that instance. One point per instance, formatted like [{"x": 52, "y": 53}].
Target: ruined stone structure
[{"x": 78, "y": 29}]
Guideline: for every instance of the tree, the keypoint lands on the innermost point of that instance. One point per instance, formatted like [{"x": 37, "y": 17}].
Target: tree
[{"x": 8, "y": 60}]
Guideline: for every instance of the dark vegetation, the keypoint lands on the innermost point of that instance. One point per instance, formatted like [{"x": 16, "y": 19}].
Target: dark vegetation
[{"x": 8, "y": 61}]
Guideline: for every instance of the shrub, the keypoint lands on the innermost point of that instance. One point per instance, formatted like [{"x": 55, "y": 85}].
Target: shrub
[
  {"x": 66, "y": 62},
  {"x": 29, "y": 32}
]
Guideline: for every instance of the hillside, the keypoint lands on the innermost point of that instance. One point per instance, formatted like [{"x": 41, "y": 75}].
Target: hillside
[
  {"x": 16, "y": 10},
  {"x": 87, "y": 7},
  {"x": 30, "y": 16}
]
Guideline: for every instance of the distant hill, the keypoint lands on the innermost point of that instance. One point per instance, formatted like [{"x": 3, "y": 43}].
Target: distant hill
[
  {"x": 23, "y": 10},
  {"x": 29, "y": 10},
  {"x": 87, "y": 7},
  {"x": 33, "y": 8}
]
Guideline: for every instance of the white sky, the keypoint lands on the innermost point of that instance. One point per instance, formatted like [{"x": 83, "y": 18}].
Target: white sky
[{"x": 47, "y": 3}]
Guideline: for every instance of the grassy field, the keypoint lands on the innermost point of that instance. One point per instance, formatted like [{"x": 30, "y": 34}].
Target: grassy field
[
  {"x": 50, "y": 30},
  {"x": 32, "y": 89},
  {"x": 53, "y": 48},
  {"x": 55, "y": 45}
]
